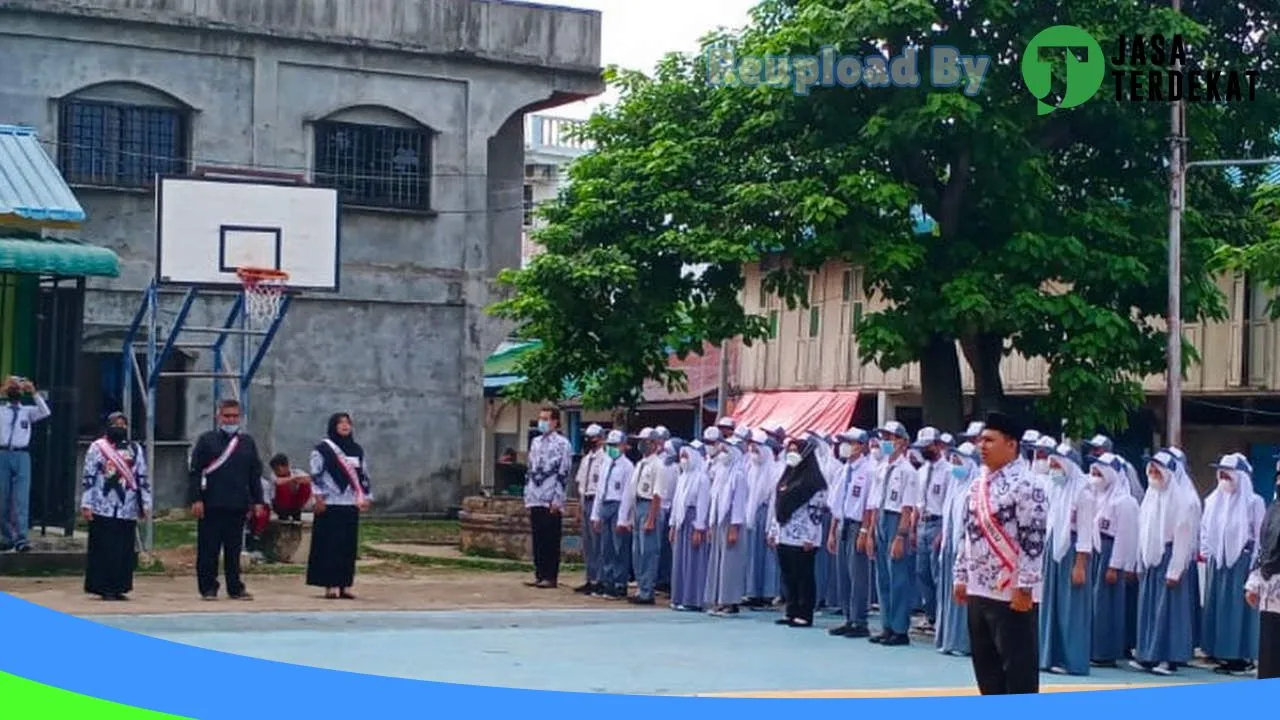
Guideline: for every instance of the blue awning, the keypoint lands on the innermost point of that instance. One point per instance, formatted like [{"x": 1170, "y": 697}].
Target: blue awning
[{"x": 32, "y": 191}]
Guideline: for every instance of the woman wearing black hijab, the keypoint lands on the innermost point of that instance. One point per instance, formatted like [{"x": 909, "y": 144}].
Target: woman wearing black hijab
[
  {"x": 1262, "y": 591},
  {"x": 795, "y": 529},
  {"x": 340, "y": 484}
]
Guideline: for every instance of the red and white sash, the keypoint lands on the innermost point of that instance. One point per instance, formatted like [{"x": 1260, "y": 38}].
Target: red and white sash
[
  {"x": 219, "y": 461},
  {"x": 349, "y": 467},
  {"x": 1006, "y": 551},
  {"x": 116, "y": 460}
]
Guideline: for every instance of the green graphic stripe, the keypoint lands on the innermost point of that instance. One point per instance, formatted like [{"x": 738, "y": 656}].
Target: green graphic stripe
[{"x": 24, "y": 699}]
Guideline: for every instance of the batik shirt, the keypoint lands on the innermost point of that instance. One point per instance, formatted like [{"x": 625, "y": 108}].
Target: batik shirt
[
  {"x": 325, "y": 487},
  {"x": 550, "y": 462},
  {"x": 1020, "y": 508},
  {"x": 803, "y": 527},
  {"x": 1268, "y": 591},
  {"x": 105, "y": 491}
]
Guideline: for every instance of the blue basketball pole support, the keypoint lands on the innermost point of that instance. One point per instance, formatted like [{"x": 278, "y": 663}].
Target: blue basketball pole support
[{"x": 158, "y": 353}]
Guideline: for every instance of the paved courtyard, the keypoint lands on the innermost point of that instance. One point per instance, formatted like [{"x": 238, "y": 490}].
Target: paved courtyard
[{"x": 605, "y": 650}]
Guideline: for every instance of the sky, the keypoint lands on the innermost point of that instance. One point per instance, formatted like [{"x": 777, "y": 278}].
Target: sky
[{"x": 637, "y": 33}]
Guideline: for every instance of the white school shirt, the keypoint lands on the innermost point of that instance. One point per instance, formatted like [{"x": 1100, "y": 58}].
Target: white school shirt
[
  {"x": 1021, "y": 508},
  {"x": 642, "y": 485},
  {"x": 1119, "y": 520},
  {"x": 857, "y": 488},
  {"x": 551, "y": 459},
  {"x": 614, "y": 475},
  {"x": 1268, "y": 591},
  {"x": 667, "y": 478},
  {"x": 934, "y": 480},
  {"x": 589, "y": 473},
  {"x": 1080, "y": 521},
  {"x": 16, "y": 421},
  {"x": 899, "y": 486},
  {"x": 804, "y": 526},
  {"x": 835, "y": 493}
]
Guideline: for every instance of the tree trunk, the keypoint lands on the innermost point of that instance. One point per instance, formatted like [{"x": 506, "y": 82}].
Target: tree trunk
[
  {"x": 984, "y": 352},
  {"x": 942, "y": 395}
]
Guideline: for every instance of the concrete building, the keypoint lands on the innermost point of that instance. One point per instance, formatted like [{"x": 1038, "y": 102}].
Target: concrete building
[
  {"x": 1231, "y": 397},
  {"x": 413, "y": 109}
]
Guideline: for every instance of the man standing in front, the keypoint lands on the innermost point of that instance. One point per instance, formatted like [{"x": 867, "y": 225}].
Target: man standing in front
[
  {"x": 550, "y": 461},
  {"x": 998, "y": 564},
  {"x": 16, "y": 420},
  {"x": 225, "y": 482}
]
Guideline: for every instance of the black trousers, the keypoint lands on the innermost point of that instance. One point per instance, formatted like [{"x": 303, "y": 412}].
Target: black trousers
[
  {"x": 1005, "y": 647},
  {"x": 545, "y": 527},
  {"x": 219, "y": 532},
  {"x": 1268, "y": 645},
  {"x": 799, "y": 585}
]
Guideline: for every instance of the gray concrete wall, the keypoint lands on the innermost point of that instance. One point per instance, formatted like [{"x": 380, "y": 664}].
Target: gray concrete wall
[{"x": 402, "y": 346}]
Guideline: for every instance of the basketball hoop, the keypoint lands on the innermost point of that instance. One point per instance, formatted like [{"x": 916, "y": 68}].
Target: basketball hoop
[{"x": 263, "y": 292}]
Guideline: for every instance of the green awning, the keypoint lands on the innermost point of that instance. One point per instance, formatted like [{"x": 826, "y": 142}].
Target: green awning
[{"x": 47, "y": 256}]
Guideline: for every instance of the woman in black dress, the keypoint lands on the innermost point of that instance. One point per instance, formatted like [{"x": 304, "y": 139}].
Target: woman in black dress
[
  {"x": 117, "y": 494},
  {"x": 340, "y": 483}
]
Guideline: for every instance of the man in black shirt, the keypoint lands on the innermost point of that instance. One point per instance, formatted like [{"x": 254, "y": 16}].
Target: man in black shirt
[{"x": 225, "y": 481}]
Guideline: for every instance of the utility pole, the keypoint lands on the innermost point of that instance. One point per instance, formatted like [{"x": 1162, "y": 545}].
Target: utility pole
[
  {"x": 1173, "y": 383},
  {"x": 722, "y": 392}
]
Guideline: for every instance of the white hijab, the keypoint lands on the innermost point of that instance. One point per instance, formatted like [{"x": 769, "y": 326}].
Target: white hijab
[
  {"x": 1108, "y": 496},
  {"x": 1228, "y": 518},
  {"x": 725, "y": 481},
  {"x": 689, "y": 484},
  {"x": 956, "y": 503},
  {"x": 1062, "y": 500},
  {"x": 1184, "y": 475},
  {"x": 1164, "y": 511},
  {"x": 761, "y": 476}
]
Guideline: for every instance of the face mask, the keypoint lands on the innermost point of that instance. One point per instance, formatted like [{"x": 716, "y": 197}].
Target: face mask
[
  {"x": 793, "y": 459},
  {"x": 846, "y": 450},
  {"x": 877, "y": 455},
  {"x": 886, "y": 448},
  {"x": 930, "y": 454},
  {"x": 959, "y": 472},
  {"x": 1097, "y": 480},
  {"x": 1058, "y": 475},
  {"x": 684, "y": 463},
  {"x": 1156, "y": 483},
  {"x": 544, "y": 426},
  {"x": 13, "y": 394},
  {"x": 1227, "y": 484},
  {"x": 1040, "y": 467},
  {"x": 613, "y": 452},
  {"x": 117, "y": 435},
  {"x": 229, "y": 429}
]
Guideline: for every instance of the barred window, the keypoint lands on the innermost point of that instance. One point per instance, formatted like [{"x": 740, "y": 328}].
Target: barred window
[
  {"x": 118, "y": 145},
  {"x": 528, "y": 205},
  {"x": 375, "y": 165}
]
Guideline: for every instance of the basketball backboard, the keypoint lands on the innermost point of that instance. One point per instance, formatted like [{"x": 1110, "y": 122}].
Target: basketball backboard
[{"x": 207, "y": 227}]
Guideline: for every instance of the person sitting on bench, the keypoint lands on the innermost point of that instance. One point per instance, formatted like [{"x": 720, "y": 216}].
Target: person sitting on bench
[{"x": 291, "y": 491}]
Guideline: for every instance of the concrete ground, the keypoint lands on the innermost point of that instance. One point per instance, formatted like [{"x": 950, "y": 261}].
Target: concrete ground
[{"x": 487, "y": 628}]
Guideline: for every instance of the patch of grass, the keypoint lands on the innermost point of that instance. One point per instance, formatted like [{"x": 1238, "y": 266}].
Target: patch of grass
[
  {"x": 466, "y": 563},
  {"x": 426, "y": 532}
]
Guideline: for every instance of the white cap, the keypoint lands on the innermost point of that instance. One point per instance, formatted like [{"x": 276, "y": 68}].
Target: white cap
[
  {"x": 759, "y": 436},
  {"x": 1030, "y": 437},
  {"x": 647, "y": 434},
  {"x": 1099, "y": 441},
  {"x": 743, "y": 432},
  {"x": 726, "y": 422},
  {"x": 662, "y": 432},
  {"x": 975, "y": 429},
  {"x": 1046, "y": 443},
  {"x": 927, "y": 436},
  {"x": 893, "y": 427},
  {"x": 711, "y": 435},
  {"x": 615, "y": 437},
  {"x": 594, "y": 430}
]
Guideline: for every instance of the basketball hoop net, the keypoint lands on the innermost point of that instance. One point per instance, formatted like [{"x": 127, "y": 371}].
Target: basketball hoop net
[{"x": 263, "y": 293}]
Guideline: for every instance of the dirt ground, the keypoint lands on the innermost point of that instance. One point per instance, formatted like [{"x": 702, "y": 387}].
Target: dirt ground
[{"x": 378, "y": 587}]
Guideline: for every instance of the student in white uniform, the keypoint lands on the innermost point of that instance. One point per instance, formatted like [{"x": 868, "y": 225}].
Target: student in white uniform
[
  {"x": 1115, "y": 561},
  {"x": 1066, "y": 612},
  {"x": 690, "y": 509},
  {"x": 848, "y": 535},
  {"x": 727, "y": 566},
  {"x": 897, "y": 487},
  {"x": 1228, "y": 538},
  {"x": 828, "y": 598},
  {"x": 1262, "y": 592},
  {"x": 588, "y": 480},
  {"x": 615, "y": 547},
  {"x": 935, "y": 477},
  {"x": 670, "y": 450},
  {"x": 1099, "y": 444},
  {"x": 795, "y": 529},
  {"x": 952, "y": 633},
  {"x": 1185, "y": 478},
  {"x": 763, "y": 472},
  {"x": 17, "y": 421},
  {"x": 1167, "y": 527},
  {"x": 640, "y": 514}
]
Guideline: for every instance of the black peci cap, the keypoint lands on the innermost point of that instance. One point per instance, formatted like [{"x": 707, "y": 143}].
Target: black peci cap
[{"x": 1005, "y": 425}]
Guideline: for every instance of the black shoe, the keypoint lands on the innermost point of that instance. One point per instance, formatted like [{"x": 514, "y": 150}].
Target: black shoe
[
  {"x": 545, "y": 585},
  {"x": 801, "y": 623},
  {"x": 858, "y": 631},
  {"x": 242, "y": 596},
  {"x": 640, "y": 601},
  {"x": 840, "y": 630},
  {"x": 209, "y": 597},
  {"x": 731, "y": 610},
  {"x": 586, "y": 589},
  {"x": 881, "y": 638},
  {"x": 896, "y": 640},
  {"x": 782, "y": 621},
  {"x": 1103, "y": 663}
]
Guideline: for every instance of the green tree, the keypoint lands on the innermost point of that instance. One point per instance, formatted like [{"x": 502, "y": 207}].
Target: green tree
[{"x": 1026, "y": 206}]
